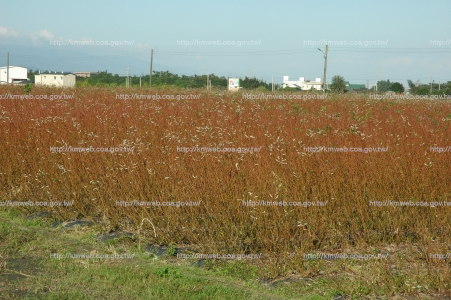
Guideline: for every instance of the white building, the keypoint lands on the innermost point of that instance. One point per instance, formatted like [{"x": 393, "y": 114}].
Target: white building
[
  {"x": 85, "y": 74},
  {"x": 16, "y": 74},
  {"x": 305, "y": 85},
  {"x": 55, "y": 79},
  {"x": 234, "y": 84}
]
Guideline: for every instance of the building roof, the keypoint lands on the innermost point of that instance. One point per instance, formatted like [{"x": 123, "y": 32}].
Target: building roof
[
  {"x": 13, "y": 67},
  {"x": 57, "y": 73},
  {"x": 350, "y": 86},
  {"x": 356, "y": 86}
]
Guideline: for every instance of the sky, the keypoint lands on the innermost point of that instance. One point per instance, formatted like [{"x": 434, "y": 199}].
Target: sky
[{"x": 411, "y": 39}]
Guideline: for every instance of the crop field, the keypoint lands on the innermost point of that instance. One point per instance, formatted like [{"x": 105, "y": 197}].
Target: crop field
[{"x": 234, "y": 188}]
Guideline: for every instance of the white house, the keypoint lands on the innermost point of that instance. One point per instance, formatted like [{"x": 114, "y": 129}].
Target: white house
[
  {"x": 55, "y": 79},
  {"x": 234, "y": 84},
  {"x": 305, "y": 85},
  {"x": 85, "y": 74},
  {"x": 16, "y": 74}
]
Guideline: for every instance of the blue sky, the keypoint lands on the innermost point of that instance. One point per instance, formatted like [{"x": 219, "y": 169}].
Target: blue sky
[{"x": 407, "y": 28}]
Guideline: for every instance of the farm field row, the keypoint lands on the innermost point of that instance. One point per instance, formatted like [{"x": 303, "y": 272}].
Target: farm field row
[{"x": 404, "y": 165}]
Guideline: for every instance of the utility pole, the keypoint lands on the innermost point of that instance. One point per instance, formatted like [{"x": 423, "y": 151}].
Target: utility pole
[
  {"x": 7, "y": 67},
  {"x": 325, "y": 66},
  {"x": 127, "y": 80},
  {"x": 150, "y": 77},
  {"x": 272, "y": 83},
  {"x": 378, "y": 75},
  {"x": 367, "y": 84}
]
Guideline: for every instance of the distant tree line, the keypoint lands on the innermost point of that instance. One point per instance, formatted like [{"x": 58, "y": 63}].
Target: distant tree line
[
  {"x": 387, "y": 86},
  {"x": 339, "y": 85},
  {"x": 164, "y": 78},
  {"x": 417, "y": 88}
]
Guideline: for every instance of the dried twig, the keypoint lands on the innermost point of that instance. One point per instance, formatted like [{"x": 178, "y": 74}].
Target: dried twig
[
  {"x": 139, "y": 231},
  {"x": 2, "y": 262},
  {"x": 18, "y": 272}
]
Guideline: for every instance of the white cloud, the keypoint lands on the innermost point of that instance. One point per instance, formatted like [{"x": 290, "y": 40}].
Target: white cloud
[
  {"x": 11, "y": 35},
  {"x": 143, "y": 46},
  {"x": 8, "y": 32},
  {"x": 45, "y": 34}
]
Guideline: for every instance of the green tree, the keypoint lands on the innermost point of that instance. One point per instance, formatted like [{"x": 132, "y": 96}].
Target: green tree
[
  {"x": 338, "y": 84},
  {"x": 447, "y": 88},
  {"x": 30, "y": 75},
  {"x": 412, "y": 86},
  {"x": 291, "y": 89},
  {"x": 383, "y": 86},
  {"x": 397, "y": 88},
  {"x": 422, "y": 90},
  {"x": 253, "y": 83},
  {"x": 86, "y": 82}
]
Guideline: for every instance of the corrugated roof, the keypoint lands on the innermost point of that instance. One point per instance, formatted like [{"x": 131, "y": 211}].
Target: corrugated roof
[
  {"x": 57, "y": 73},
  {"x": 14, "y": 67},
  {"x": 356, "y": 86}
]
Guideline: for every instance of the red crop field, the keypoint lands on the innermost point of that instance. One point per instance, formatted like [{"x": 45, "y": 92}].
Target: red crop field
[{"x": 224, "y": 182}]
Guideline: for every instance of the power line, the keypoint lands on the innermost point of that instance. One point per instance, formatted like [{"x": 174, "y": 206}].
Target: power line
[
  {"x": 255, "y": 53},
  {"x": 87, "y": 57},
  {"x": 393, "y": 50}
]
